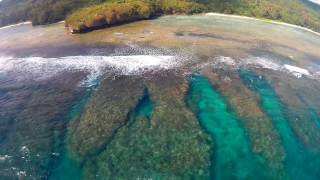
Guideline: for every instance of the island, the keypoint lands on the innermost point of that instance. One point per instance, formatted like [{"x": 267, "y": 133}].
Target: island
[
  {"x": 82, "y": 16},
  {"x": 185, "y": 96}
]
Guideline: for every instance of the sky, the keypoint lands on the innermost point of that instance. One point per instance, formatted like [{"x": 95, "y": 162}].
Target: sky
[{"x": 315, "y": 1}]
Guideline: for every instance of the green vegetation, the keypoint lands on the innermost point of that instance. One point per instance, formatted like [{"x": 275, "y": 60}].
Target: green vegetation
[
  {"x": 294, "y": 12},
  {"x": 116, "y": 12},
  {"x": 109, "y": 13},
  {"x": 180, "y": 7},
  {"x": 39, "y": 11},
  {"x": 101, "y": 13}
]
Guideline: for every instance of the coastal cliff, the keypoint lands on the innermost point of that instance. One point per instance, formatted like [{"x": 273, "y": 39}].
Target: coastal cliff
[{"x": 113, "y": 13}]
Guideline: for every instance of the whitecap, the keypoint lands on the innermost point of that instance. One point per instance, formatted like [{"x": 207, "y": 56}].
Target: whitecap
[
  {"x": 261, "y": 62},
  {"x": 21, "y": 174},
  {"x": 39, "y": 68},
  {"x": 220, "y": 62},
  {"x": 4, "y": 158},
  {"x": 296, "y": 71},
  {"x": 226, "y": 60}
]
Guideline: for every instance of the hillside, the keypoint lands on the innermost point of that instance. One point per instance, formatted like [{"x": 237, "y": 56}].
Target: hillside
[
  {"x": 84, "y": 15},
  {"x": 39, "y": 11},
  {"x": 111, "y": 13}
]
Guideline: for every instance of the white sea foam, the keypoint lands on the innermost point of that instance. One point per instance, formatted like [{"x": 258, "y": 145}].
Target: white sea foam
[
  {"x": 296, "y": 71},
  {"x": 4, "y": 158},
  {"x": 262, "y": 62},
  {"x": 226, "y": 60},
  {"x": 39, "y": 68},
  {"x": 21, "y": 174}
]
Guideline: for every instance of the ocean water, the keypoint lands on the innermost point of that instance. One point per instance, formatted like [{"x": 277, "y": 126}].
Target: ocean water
[
  {"x": 231, "y": 153},
  {"x": 66, "y": 168},
  {"x": 232, "y": 157},
  {"x": 80, "y": 107},
  {"x": 144, "y": 108},
  {"x": 300, "y": 162}
]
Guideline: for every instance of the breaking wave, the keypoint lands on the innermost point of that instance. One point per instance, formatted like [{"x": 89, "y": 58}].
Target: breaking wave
[
  {"x": 39, "y": 68},
  {"x": 261, "y": 62}
]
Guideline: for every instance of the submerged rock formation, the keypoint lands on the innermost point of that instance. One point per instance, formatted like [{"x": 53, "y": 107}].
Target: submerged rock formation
[
  {"x": 265, "y": 140},
  {"x": 143, "y": 135},
  {"x": 104, "y": 114}
]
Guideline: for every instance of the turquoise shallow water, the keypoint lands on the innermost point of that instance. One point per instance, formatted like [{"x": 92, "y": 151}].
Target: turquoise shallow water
[
  {"x": 300, "y": 163},
  {"x": 67, "y": 168},
  {"x": 315, "y": 117},
  {"x": 144, "y": 108},
  {"x": 232, "y": 157},
  {"x": 143, "y": 146}
]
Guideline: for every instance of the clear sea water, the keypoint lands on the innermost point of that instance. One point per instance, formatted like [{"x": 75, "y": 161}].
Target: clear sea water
[{"x": 150, "y": 109}]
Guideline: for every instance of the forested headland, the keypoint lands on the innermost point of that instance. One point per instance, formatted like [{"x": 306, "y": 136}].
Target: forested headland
[{"x": 86, "y": 14}]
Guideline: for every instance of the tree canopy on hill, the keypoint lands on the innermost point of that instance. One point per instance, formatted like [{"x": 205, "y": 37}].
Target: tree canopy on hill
[
  {"x": 115, "y": 12},
  {"x": 298, "y": 12},
  {"x": 39, "y": 11}
]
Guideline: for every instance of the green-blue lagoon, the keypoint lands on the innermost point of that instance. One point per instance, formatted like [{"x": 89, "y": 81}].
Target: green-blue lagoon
[{"x": 177, "y": 97}]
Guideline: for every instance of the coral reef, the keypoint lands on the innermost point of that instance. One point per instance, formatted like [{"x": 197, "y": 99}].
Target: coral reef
[{"x": 265, "y": 139}]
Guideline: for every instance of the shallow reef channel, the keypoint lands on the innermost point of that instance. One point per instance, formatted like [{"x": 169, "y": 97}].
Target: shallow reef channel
[
  {"x": 143, "y": 109},
  {"x": 160, "y": 139},
  {"x": 300, "y": 162},
  {"x": 66, "y": 168},
  {"x": 232, "y": 157}
]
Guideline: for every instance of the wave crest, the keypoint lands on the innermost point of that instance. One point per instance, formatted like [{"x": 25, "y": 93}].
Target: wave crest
[{"x": 39, "y": 68}]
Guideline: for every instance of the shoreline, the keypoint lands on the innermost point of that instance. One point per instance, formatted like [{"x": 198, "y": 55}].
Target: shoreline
[
  {"x": 270, "y": 21},
  {"x": 263, "y": 20},
  {"x": 15, "y": 25}
]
